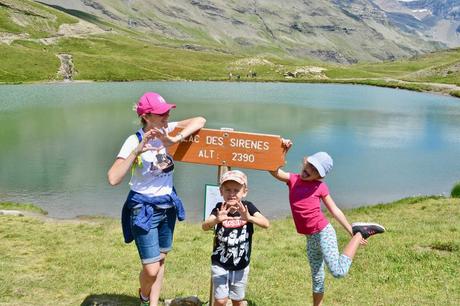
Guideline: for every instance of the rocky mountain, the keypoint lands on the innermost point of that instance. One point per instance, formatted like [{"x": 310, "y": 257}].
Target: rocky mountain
[
  {"x": 430, "y": 19},
  {"x": 338, "y": 31}
]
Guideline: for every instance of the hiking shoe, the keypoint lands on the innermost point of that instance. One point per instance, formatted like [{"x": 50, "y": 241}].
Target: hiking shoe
[
  {"x": 143, "y": 302},
  {"x": 367, "y": 229}
]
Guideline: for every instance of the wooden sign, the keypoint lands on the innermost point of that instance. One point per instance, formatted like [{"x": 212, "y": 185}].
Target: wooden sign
[{"x": 230, "y": 148}]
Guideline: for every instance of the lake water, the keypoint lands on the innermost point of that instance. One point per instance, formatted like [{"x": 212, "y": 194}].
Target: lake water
[{"x": 58, "y": 141}]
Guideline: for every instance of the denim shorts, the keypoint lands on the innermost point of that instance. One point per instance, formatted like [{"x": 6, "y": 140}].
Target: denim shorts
[
  {"x": 230, "y": 284},
  {"x": 160, "y": 236}
]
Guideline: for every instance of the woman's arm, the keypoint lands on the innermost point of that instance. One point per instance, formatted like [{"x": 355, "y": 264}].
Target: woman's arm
[
  {"x": 189, "y": 127},
  {"x": 121, "y": 166},
  {"x": 119, "y": 169},
  {"x": 337, "y": 213}
]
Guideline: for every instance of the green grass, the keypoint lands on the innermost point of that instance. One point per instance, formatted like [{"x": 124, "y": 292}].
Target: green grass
[
  {"x": 27, "y": 62},
  {"x": 392, "y": 84},
  {"x": 6, "y": 25},
  {"x": 455, "y": 193},
  {"x": 127, "y": 59},
  {"x": 85, "y": 262},
  {"x": 33, "y": 18},
  {"x": 22, "y": 207},
  {"x": 455, "y": 93},
  {"x": 115, "y": 58}
]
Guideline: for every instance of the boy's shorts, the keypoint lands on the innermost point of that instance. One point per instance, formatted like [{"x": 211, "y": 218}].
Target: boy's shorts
[
  {"x": 159, "y": 238},
  {"x": 228, "y": 283}
]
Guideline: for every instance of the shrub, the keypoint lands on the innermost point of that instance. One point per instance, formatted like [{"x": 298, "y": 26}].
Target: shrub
[{"x": 455, "y": 193}]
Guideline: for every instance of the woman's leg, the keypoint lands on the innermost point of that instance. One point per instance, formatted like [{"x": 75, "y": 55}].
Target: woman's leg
[
  {"x": 147, "y": 278},
  {"x": 165, "y": 230},
  {"x": 156, "y": 286},
  {"x": 147, "y": 243}
]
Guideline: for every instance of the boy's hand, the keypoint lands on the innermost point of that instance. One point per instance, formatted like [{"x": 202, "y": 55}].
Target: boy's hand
[
  {"x": 222, "y": 213},
  {"x": 244, "y": 212}
]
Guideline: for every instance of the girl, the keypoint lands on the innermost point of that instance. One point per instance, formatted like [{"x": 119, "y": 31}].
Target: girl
[
  {"x": 306, "y": 190},
  {"x": 150, "y": 211}
]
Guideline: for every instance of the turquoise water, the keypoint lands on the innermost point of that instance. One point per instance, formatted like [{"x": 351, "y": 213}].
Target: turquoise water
[{"x": 58, "y": 140}]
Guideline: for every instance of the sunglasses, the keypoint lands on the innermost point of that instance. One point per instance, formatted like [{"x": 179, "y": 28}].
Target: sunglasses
[{"x": 160, "y": 115}]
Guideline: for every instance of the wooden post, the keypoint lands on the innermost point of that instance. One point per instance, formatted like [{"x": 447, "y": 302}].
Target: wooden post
[{"x": 220, "y": 171}]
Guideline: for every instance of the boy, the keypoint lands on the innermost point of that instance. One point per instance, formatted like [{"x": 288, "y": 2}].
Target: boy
[{"x": 233, "y": 228}]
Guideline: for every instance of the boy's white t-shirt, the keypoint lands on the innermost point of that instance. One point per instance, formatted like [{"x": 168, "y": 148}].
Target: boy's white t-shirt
[{"x": 147, "y": 178}]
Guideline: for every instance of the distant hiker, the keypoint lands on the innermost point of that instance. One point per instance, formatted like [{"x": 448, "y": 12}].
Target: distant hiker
[
  {"x": 230, "y": 76},
  {"x": 150, "y": 211},
  {"x": 306, "y": 191},
  {"x": 232, "y": 222}
]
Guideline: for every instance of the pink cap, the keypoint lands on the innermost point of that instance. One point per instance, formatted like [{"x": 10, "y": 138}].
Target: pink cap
[
  {"x": 153, "y": 103},
  {"x": 234, "y": 175}
]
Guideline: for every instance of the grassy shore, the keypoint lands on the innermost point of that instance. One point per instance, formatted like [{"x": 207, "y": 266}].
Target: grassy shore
[{"x": 85, "y": 262}]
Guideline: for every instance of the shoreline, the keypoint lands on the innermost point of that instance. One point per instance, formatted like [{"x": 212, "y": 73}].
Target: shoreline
[
  {"x": 443, "y": 89},
  {"x": 33, "y": 210}
]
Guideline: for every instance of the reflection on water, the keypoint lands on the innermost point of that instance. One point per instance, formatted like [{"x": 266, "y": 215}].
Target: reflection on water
[{"x": 58, "y": 141}]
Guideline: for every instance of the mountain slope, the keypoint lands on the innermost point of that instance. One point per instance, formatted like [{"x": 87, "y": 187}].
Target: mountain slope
[
  {"x": 338, "y": 31},
  {"x": 80, "y": 42},
  {"x": 433, "y": 19}
]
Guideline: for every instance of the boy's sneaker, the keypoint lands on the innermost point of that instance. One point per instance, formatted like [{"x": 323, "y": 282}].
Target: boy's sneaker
[
  {"x": 367, "y": 229},
  {"x": 144, "y": 302}
]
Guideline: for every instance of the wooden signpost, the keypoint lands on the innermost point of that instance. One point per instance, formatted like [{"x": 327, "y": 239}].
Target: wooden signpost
[
  {"x": 226, "y": 148},
  {"x": 230, "y": 149}
]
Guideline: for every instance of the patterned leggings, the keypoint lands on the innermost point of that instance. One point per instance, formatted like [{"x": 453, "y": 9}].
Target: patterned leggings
[{"x": 322, "y": 248}]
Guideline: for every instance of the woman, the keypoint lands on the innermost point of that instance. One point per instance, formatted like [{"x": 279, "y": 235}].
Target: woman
[{"x": 150, "y": 211}]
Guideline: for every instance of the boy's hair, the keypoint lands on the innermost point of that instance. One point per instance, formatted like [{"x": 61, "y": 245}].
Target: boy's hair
[{"x": 234, "y": 175}]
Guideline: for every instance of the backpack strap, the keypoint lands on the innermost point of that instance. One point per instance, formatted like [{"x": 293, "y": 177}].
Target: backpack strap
[
  {"x": 138, "y": 160},
  {"x": 139, "y": 136}
]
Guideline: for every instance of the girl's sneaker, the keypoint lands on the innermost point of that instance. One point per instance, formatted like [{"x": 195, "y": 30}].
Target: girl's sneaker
[{"x": 367, "y": 229}]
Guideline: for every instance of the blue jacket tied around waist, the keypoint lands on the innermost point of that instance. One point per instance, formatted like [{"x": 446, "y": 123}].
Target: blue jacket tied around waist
[{"x": 144, "y": 218}]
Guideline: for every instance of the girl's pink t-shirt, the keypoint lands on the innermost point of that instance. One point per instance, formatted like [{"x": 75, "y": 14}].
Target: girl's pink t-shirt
[{"x": 305, "y": 199}]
